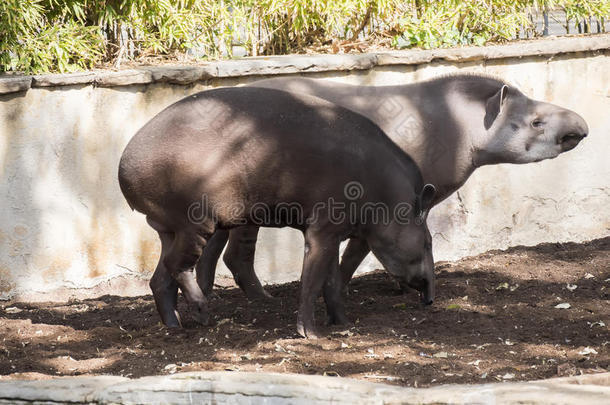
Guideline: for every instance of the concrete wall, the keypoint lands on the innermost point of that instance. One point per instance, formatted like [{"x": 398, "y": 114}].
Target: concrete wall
[
  {"x": 64, "y": 223},
  {"x": 222, "y": 387}
]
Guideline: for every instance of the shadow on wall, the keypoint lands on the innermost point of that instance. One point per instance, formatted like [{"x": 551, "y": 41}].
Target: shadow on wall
[
  {"x": 20, "y": 216},
  {"x": 88, "y": 168},
  {"x": 64, "y": 220}
]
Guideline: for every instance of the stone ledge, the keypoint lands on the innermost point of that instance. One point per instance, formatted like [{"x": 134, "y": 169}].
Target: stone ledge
[
  {"x": 248, "y": 388},
  {"x": 291, "y": 64},
  {"x": 14, "y": 84},
  {"x": 66, "y": 79},
  {"x": 541, "y": 47}
]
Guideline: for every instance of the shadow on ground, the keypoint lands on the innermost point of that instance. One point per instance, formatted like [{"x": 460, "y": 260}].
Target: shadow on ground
[{"x": 495, "y": 318}]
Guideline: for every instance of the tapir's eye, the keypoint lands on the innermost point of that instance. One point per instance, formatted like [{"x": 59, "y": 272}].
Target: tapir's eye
[{"x": 537, "y": 123}]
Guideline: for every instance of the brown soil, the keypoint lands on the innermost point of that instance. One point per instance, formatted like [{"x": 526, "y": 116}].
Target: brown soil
[{"x": 494, "y": 319}]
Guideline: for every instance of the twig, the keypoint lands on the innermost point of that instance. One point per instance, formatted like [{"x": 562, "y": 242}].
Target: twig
[
  {"x": 364, "y": 22},
  {"x": 117, "y": 61}
]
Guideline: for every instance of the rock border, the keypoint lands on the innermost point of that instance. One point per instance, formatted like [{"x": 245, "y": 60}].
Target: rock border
[
  {"x": 219, "y": 387},
  {"x": 277, "y": 65}
]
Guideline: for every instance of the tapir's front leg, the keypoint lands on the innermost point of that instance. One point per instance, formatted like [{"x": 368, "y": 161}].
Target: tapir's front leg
[
  {"x": 320, "y": 261},
  {"x": 333, "y": 297},
  {"x": 239, "y": 258},
  {"x": 354, "y": 254},
  {"x": 206, "y": 266}
]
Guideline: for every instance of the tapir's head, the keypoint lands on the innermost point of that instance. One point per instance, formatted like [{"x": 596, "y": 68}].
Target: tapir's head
[
  {"x": 404, "y": 247},
  {"x": 522, "y": 130}
]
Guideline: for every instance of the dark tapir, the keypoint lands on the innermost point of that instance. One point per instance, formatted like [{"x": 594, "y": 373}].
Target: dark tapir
[
  {"x": 234, "y": 156},
  {"x": 449, "y": 126}
]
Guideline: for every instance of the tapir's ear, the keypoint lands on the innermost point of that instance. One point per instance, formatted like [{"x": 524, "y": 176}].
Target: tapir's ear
[
  {"x": 424, "y": 201},
  {"x": 494, "y": 105}
]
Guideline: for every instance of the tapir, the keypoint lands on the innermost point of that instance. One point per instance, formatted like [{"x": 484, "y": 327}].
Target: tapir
[
  {"x": 449, "y": 126},
  {"x": 247, "y": 156}
]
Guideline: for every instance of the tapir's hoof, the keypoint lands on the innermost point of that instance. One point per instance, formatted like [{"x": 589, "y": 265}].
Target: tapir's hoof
[
  {"x": 170, "y": 318},
  {"x": 173, "y": 324},
  {"x": 308, "y": 333},
  {"x": 202, "y": 319},
  {"x": 200, "y": 314},
  {"x": 259, "y": 295}
]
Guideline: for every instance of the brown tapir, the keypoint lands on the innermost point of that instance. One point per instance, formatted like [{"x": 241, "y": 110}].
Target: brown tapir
[
  {"x": 449, "y": 126},
  {"x": 253, "y": 156}
]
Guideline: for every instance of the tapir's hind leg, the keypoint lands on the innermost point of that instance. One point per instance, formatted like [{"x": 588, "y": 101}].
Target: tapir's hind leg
[
  {"x": 206, "y": 266},
  {"x": 239, "y": 258},
  {"x": 180, "y": 260},
  {"x": 164, "y": 287}
]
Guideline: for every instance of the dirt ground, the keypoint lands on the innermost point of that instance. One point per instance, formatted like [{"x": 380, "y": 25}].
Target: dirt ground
[{"x": 499, "y": 316}]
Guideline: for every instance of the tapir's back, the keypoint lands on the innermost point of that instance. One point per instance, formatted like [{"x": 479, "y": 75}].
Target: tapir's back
[{"x": 253, "y": 145}]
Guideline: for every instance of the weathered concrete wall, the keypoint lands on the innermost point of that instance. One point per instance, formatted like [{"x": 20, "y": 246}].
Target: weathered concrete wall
[
  {"x": 64, "y": 222},
  {"x": 223, "y": 387}
]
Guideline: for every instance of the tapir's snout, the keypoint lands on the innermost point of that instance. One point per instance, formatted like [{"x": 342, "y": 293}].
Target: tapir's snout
[
  {"x": 426, "y": 300},
  {"x": 425, "y": 288},
  {"x": 427, "y": 294},
  {"x": 573, "y": 130},
  {"x": 570, "y": 140}
]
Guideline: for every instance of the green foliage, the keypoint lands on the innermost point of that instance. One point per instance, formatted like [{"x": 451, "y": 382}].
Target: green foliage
[
  {"x": 66, "y": 35},
  {"x": 582, "y": 10},
  {"x": 64, "y": 47},
  {"x": 32, "y": 43},
  {"x": 445, "y": 23}
]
